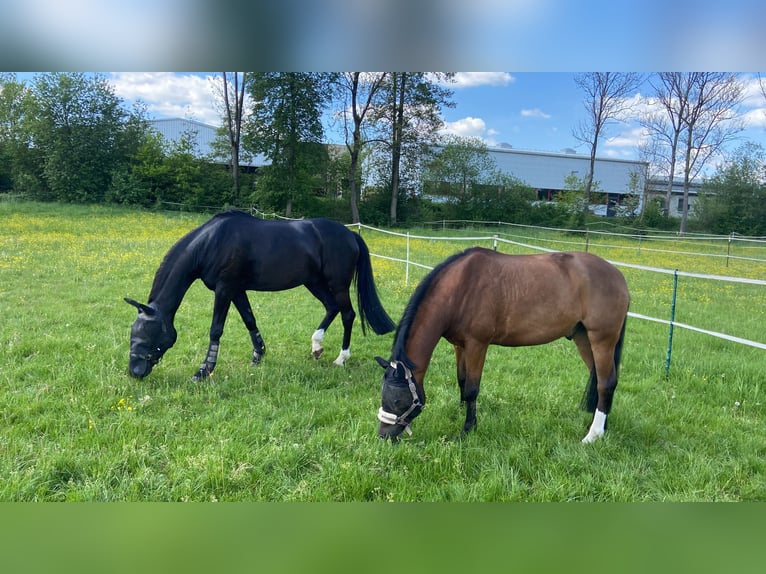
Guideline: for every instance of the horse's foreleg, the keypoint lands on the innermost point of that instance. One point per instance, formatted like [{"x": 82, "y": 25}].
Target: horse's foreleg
[
  {"x": 220, "y": 310},
  {"x": 460, "y": 362},
  {"x": 206, "y": 369},
  {"x": 473, "y": 356},
  {"x": 242, "y": 303}
]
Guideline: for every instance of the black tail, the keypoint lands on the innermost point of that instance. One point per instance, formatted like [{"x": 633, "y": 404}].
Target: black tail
[
  {"x": 371, "y": 310},
  {"x": 590, "y": 397}
]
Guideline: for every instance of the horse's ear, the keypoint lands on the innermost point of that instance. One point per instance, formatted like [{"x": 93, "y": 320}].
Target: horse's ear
[
  {"x": 140, "y": 306},
  {"x": 382, "y": 362}
]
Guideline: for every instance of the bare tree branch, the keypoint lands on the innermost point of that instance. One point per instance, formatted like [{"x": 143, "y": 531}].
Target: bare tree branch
[{"x": 607, "y": 101}]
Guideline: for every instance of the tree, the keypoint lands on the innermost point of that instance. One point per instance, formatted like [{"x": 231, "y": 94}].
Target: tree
[
  {"x": 695, "y": 116},
  {"x": 74, "y": 122},
  {"x": 710, "y": 121},
  {"x": 14, "y": 142},
  {"x": 286, "y": 119},
  {"x": 411, "y": 116},
  {"x": 664, "y": 124},
  {"x": 457, "y": 165},
  {"x": 734, "y": 198},
  {"x": 234, "y": 108},
  {"x": 139, "y": 153},
  {"x": 607, "y": 100},
  {"x": 360, "y": 93}
]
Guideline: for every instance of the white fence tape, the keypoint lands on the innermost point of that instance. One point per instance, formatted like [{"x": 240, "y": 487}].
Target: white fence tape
[{"x": 616, "y": 263}]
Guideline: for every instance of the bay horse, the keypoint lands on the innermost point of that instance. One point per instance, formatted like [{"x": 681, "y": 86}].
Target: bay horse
[
  {"x": 233, "y": 253},
  {"x": 481, "y": 297}
]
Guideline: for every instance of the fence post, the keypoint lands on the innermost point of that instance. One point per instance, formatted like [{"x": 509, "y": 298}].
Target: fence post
[
  {"x": 494, "y": 242},
  {"x": 672, "y": 320},
  {"x": 407, "y": 267},
  {"x": 728, "y": 248},
  {"x": 587, "y": 239}
]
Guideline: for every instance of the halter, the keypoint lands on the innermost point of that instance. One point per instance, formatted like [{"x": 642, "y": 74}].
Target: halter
[
  {"x": 392, "y": 419},
  {"x": 149, "y": 357}
]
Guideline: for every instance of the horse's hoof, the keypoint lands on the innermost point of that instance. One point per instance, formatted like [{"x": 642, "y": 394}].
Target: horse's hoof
[
  {"x": 591, "y": 437},
  {"x": 256, "y": 360},
  {"x": 318, "y": 353},
  {"x": 203, "y": 373},
  {"x": 344, "y": 355}
]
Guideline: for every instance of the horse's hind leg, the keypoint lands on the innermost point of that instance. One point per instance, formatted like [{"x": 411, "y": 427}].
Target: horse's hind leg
[
  {"x": 331, "y": 311},
  {"x": 242, "y": 303},
  {"x": 347, "y": 315},
  {"x": 606, "y": 383}
]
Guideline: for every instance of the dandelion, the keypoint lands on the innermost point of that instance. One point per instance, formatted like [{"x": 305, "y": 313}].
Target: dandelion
[{"x": 122, "y": 405}]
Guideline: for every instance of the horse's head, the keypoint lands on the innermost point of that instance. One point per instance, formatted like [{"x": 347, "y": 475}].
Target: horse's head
[
  {"x": 401, "y": 399},
  {"x": 150, "y": 336}
]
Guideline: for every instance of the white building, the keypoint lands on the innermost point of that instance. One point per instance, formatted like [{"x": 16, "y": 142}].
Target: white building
[
  {"x": 174, "y": 129},
  {"x": 547, "y": 171}
]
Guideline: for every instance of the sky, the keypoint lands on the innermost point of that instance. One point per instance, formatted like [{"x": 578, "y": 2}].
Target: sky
[
  {"x": 536, "y": 107},
  {"x": 526, "y": 110},
  {"x": 528, "y": 35}
]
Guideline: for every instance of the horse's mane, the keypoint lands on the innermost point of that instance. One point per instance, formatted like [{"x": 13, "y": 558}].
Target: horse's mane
[
  {"x": 403, "y": 329},
  {"x": 181, "y": 248}
]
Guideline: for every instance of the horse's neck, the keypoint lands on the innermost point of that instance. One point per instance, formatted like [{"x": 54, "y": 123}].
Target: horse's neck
[
  {"x": 170, "y": 287},
  {"x": 423, "y": 337}
]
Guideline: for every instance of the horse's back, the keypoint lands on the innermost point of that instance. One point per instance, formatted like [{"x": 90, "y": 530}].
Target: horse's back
[
  {"x": 268, "y": 255},
  {"x": 601, "y": 279},
  {"x": 530, "y": 299}
]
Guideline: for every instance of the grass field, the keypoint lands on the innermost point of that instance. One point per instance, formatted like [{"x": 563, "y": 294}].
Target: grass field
[{"x": 74, "y": 426}]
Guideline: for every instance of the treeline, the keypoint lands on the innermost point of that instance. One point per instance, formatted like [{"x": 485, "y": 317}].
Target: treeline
[{"x": 68, "y": 137}]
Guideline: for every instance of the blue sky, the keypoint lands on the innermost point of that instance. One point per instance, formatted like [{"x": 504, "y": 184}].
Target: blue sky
[
  {"x": 528, "y": 35},
  {"x": 528, "y": 110}
]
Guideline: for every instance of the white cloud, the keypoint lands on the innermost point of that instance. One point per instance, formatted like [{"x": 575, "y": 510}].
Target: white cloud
[
  {"x": 169, "y": 94},
  {"x": 629, "y": 138},
  {"x": 471, "y": 128},
  {"x": 755, "y": 118},
  {"x": 535, "y": 113},
  {"x": 475, "y": 79}
]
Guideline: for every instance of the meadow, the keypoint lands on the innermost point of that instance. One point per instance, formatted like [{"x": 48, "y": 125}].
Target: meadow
[{"x": 75, "y": 427}]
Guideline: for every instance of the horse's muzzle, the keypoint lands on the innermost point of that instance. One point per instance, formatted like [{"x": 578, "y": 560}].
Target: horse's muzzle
[
  {"x": 139, "y": 368},
  {"x": 387, "y": 431}
]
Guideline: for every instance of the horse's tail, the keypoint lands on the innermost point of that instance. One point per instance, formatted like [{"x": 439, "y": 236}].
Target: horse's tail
[
  {"x": 590, "y": 397},
  {"x": 371, "y": 310}
]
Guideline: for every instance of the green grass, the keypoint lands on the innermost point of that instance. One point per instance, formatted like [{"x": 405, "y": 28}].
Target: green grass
[{"x": 74, "y": 426}]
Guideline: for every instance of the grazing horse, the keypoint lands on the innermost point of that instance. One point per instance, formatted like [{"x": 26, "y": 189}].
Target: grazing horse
[
  {"x": 479, "y": 298},
  {"x": 234, "y": 252}
]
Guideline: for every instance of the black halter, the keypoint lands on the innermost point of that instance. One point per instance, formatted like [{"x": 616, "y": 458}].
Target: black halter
[{"x": 152, "y": 358}]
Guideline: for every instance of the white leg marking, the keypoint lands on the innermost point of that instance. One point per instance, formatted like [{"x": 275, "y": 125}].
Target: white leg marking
[
  {"x": 596, "y": 427},
  {"x": 316, "y": 342},
  {"x": 342, "y": 358}
]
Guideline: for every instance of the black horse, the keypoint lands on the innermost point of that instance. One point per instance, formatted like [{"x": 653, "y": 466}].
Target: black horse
[{"x": 234, "y": 252}]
